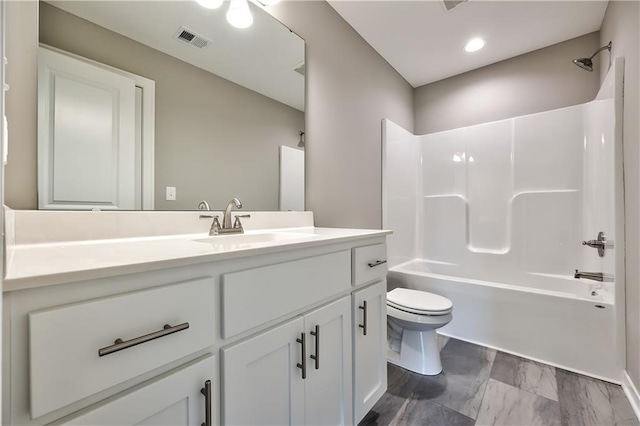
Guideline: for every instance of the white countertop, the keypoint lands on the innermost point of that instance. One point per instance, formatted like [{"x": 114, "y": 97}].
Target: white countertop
[{"x": 36, "y": 265}]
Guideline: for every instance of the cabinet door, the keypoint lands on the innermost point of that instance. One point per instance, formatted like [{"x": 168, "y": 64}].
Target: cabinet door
[
  {"x": 262, "y": 384},
  {"x": 173, "y": 399},
  {"x": 370, "y": 349},
  {"x": 328, "y": 388}
]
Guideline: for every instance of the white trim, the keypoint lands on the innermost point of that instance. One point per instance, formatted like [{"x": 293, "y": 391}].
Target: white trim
[
  {"x": 3, "y": 145},
  {"x": 631, "y": 392},
  {"x": 148, "y": 123},
  {"x": 619, "y": 211}
]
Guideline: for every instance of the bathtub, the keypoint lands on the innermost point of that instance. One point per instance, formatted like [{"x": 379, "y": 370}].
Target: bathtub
[{"x": 557, "y": 322}]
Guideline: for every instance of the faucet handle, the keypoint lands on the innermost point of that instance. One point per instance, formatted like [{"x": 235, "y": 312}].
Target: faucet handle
[
  {"x": 215, "y": 226},
  {"x": 236, "y": 223}
]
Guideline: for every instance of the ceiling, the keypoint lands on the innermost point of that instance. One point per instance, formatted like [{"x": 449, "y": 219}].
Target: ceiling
[
  {"x": 425, "y": 43},
  {"x": 261, "y": 57}
]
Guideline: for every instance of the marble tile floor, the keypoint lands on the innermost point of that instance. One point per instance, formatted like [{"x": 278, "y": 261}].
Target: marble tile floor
[{"x": 482, "y": 386}]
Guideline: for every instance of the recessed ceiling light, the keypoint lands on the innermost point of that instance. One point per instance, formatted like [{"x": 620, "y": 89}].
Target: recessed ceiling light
[{"x": 474, "y": 45}]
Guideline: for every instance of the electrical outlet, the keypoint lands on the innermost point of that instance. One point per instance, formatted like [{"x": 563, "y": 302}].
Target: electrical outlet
[{"x": 171, "y": 193}]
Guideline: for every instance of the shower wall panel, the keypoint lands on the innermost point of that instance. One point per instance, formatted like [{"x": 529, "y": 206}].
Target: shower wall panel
[
  {"x": 505, "y": 198},
  {"x": 548, "y": 150},
  {"x": 489, "y": 187},
  {"x": 599, "y": 194},
  {"x": 508, "y": 192},
  {"x": 401, "y": 161},
  {"x": 546, "y": 231},
  {"x": 447, "y": 241}
]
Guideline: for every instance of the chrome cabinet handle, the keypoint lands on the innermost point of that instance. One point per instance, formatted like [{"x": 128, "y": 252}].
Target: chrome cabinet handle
[
  {"x": 303, "y": 365},
  {"x": 316, "y": 356},
  {"x": 376, "y": 263},
  {"x": 120, "y": 344},
  {"x": 206, "y": 391},
  {"x": 363, "y": 326}
]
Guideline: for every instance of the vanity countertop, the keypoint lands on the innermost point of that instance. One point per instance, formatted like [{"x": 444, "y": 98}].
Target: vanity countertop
[{"x": 37, "y": 265}]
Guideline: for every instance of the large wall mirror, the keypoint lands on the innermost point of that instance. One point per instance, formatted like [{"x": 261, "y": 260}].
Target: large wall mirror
[{"x": 209, "y": 111}]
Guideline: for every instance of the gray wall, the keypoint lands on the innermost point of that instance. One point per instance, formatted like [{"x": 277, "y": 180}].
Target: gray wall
[
  {"x": 21, "y": 103},
  {"x": 621, "y": 26},
  {"x": 350, "y": 89},
  {"x": 534, "y": 82}
]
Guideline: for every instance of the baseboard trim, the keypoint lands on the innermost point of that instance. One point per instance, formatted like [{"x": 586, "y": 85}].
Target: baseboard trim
[{"x": 632, "y": 393}]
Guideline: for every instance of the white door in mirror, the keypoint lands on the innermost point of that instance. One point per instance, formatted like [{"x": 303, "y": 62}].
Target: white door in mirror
[{"x": 86, "y": 135}]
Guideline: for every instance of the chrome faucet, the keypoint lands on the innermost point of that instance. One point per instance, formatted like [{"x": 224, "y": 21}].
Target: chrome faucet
[
  {"x": 596, "y": 276},
  {"x": 226, "y": 220},
  {"x": 226, "y": 227}
]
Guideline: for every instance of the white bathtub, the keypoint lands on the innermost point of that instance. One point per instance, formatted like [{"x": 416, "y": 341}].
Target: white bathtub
[{"x": 558, "y": 323}]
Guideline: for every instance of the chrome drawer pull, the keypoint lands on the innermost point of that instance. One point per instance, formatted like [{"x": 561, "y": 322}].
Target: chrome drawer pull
[
  {"x": 206, "y": 391},
  {"x": 125, "y": 344},
  {"x": 363, "y": 326},
  {"x": 316, "y": 357},
  {"x": 376, "y": 263},
  {"x": 303, "y": 366}
]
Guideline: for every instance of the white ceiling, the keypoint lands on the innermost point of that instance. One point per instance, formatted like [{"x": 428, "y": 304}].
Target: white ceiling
[
  {"x": 261, "y": 57},
  {"x": 425, "y": 43}
]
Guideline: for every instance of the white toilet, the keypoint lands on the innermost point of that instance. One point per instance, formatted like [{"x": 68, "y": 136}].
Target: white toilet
[{"x": 412, "y": 318}]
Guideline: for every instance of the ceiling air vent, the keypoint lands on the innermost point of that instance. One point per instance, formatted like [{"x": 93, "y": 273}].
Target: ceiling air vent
[
  {"x": 450, "y": 4},
  {"x": 191, "y": 38},
  {"x": 300, "y": 68}
]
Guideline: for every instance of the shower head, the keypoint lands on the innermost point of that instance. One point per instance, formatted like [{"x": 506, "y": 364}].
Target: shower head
[
  {"x": 587, "y": 63},
  {"x": 584, "y": 63}
]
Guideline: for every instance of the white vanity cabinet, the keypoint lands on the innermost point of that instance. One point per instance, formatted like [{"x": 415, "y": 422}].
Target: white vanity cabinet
[
  {"x": 369, "y": 347},
  {"x": 369, "y": 327},
  {"x": 276, "y": 334},
  {"x": 297, "y": 373}
]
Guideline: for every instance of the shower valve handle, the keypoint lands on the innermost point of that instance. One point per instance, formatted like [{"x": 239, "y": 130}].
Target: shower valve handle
[
  {"x": 600, "y": 243},
  {"x": 593, "y": 243}
]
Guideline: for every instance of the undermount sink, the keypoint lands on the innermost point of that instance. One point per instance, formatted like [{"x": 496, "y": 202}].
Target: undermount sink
[{"x": 265, "y": 237}]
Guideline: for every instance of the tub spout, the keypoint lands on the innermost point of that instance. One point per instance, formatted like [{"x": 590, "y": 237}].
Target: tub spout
[{"x": 596, "y": 276}]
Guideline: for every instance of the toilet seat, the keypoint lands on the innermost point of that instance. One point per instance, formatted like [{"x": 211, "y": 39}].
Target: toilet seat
[{"x": 419, "y": 302}]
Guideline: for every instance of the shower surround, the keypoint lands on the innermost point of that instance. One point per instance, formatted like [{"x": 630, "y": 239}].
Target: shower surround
[{"x": 492, "y": 217}]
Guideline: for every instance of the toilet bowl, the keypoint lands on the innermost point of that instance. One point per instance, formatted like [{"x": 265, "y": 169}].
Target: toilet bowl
[{"x": 413, "y": 317}]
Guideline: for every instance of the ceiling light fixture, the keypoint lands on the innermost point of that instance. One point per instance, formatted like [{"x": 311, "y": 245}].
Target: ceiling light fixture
[
  {"x": 474, "y": 45},
  {"x": 239, "y": 14},
  {"x": 210, "y": 4}
]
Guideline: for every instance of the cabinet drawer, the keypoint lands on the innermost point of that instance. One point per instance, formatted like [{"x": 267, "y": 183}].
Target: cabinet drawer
[
  {"x": 256, "y": 296},
  {"x": 64, "y": 342},
  {"x": 369, "y": 263}
]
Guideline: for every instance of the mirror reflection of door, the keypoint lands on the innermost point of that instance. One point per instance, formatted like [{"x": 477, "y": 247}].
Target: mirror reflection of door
[
  {"x": 90, "y": 137},
  {"x": 291, "y": 179}
]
